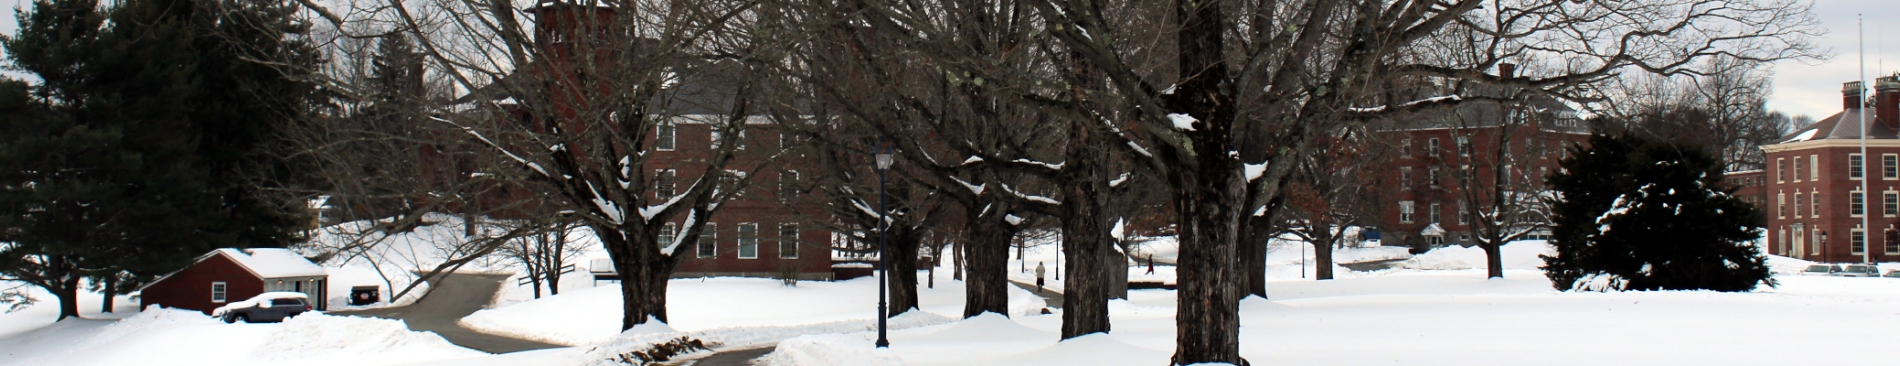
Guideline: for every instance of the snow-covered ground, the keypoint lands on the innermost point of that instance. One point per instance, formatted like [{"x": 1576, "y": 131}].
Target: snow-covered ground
[
  {"x": 161, "y": 336},
  {"x": 392, "y": 261},
  {"x": 1434, "y": 308}
]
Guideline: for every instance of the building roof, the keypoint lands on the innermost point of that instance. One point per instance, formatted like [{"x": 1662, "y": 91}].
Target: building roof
[
  {"x": 1832, "y": 128},
  {"x": 274, "y": 262}
]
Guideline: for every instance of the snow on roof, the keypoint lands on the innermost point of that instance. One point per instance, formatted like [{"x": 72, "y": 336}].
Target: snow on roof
[
  {"x": 1433, "y": 230},
  {"x": 274, "y": 262}
]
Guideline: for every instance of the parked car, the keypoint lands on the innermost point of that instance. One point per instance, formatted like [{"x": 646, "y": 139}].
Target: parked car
[
  {"x": 1821, "y": 270},
  {"x": 1860, "y": 270},
  {"x": 1893, "y": 273},
  {"x": 265, "y": 307}
]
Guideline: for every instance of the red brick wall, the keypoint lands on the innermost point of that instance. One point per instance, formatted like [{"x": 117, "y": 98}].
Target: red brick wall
[
  {"x": 1549, "y": 148},
  {"x": 191, "y": 287}
]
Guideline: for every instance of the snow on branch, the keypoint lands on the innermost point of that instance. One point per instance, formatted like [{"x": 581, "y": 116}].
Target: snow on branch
[
  {"x": 1055, "y": 167},
  {"x": 976, "y": 189},
  {"x": 504, "y": 151},
  {"x": 1030, "y": 197}
]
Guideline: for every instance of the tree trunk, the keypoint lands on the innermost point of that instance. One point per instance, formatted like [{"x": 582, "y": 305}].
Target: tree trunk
[
  {"x": 1207, "y": 192},
  {"x": 644, "y": 272},
  {"x": 987, "y": 266},
  {"x": 901, "y": 270},
  {"x": 111, "y": 288},
  {"x": 68, "y": 294},
  {"x": 1493, "y": 259},
  {"x": 1253, "y": 254},
  {"x": 956, "y": 273},
  {"x": 1117, "y": 271},
  {"x": 1323, "y": 254},
  {"x": 1085, "y": 238}
]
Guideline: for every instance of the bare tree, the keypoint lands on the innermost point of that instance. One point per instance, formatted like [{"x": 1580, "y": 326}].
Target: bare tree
[
  {"x": 544, "y": 253},
  {"x": 1332, "y": 191}
]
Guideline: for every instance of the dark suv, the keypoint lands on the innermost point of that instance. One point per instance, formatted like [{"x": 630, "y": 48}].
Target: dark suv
[{"x": 266, "y": 307}]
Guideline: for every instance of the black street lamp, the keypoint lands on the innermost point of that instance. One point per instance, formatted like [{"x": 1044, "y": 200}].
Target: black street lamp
[
  {"x": 1824, "y": 257},
  {"x": 883, "y": 224}
]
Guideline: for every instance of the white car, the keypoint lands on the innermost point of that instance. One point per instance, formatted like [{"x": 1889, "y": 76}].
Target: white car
[{"x": 265, "y": 307}]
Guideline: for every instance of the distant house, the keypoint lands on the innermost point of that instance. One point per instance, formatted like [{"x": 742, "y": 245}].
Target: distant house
[{"x": 227, "y": 275}]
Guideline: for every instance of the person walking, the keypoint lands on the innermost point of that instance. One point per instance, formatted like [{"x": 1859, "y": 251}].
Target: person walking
[
  {"x": 1039, "y": 272},
  {"x": 1151, "y": 264}
]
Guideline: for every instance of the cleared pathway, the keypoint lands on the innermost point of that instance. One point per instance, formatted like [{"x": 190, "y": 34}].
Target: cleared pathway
[{"x": 449, "y": 299}]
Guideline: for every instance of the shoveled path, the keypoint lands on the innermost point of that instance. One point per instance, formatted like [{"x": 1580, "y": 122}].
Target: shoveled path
[
  {"x": 1050, "y": 296},
  {"x": 742, "y": 357},
  {"x": 449, "y": 299}
]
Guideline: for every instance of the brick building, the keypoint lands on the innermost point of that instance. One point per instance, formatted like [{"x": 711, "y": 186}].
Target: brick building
[
  {"x": 1443, "y": 155},
  {"x": 1815, "y": 204},
  {"x": 762, "y": 232}
]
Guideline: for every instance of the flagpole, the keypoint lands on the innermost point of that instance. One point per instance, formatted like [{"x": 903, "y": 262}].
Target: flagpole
[{"x": 1865, "y": 211}]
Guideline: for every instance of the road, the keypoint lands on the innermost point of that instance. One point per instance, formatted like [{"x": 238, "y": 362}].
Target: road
[
  {"x": 742, "y": 357},
  {"x": 449, "y": 299}
]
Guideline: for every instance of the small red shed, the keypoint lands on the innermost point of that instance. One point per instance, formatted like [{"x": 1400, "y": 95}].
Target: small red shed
[{"x": 228, "y": 275}]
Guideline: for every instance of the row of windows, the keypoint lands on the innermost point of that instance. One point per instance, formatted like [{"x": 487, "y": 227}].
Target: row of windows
[
  {"x": 1408, "y": 212},
  {"x": 666, "y": 183},
  {"x": 666, "y": 138},
  {"x": 1856, "y": 167},
  {"x": 1464, "y": 147},
  {"x": 746, "y": 239},
  {"x": 1432, "y": 177},
  {"x": 1800, "y": 241},
  {"x": 1856, "y": 204}
]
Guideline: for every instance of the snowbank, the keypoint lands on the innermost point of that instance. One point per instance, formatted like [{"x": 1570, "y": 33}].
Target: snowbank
[
  {"x": 161, "y": 336},
  {"x": 1515, "y": 255}
]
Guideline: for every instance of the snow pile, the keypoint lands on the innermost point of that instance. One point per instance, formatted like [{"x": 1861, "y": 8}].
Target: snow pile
[
  {"x": 988, "y": 339},
  {"x": 1515, "y": 255},
  {"x": 316, "y": 335},
  {"x": 746, "y": 337}
]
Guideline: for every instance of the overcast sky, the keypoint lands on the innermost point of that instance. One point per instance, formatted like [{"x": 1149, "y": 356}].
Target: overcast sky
[{"x": 1812, "y": 88}]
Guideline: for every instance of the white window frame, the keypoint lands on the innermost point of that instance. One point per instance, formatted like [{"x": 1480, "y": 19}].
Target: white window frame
[
  {"x": 1814, "y": 167},
  {"x": 1781, "y": 205},
  {"x": 1433, "y": 215},
  {"x": 220, "y": 292},
  {"x": 1856, "y": 166},
  {"x": 1464, "y": 209},
  {"x": 1890, "y": 203},
  {"x": 783, "y": 242},
  {"x": 1433, "y": 176},
  {"x": 1405, "y": 147},
  {"x": 1891, "y": 247},
  {"x": 669, "y": 233},
  {"x": 1506, "y": 176},
  {"x": 1856, "y": 203},
  {"x": 667, "y": 178},
  {"x": 1781, "y": 170},
  {"x": 1814, "y": 203},
  {"x": 1889, "y": 166},
  {"x": 1857, "y": 236},
  {"x": 1797, "y": 204},
  {"x": 1464, "y": 145},
  {"x": 787, "y": 187},
  {"x": 1796, "y": 167},
  {"x": 708, "y": 241},
  {"x": 1431, "y": 146},
  {"x": 1406, "y": 210},
  {"x": 1405, "y": 178},
  {"x": 666, "y": 136},
  {"x": 739, "y": 236}
]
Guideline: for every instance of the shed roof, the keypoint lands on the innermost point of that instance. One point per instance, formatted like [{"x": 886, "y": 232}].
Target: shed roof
[{"x": 274, "y": 262}]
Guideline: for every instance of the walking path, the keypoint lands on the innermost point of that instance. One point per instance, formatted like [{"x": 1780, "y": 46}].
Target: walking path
[
  {"x": 742, "y": 357},
  {"x": 1053, "y": 298},
  {"x": 449, "y": 299}
]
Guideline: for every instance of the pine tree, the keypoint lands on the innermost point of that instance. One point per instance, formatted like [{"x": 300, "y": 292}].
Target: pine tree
[{"x": 1644, "y": 215}]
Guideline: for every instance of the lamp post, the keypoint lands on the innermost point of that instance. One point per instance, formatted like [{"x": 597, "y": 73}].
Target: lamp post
[{"x": 883, "y": 224}]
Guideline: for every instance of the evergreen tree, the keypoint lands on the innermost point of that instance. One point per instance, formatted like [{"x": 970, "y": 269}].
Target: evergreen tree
[{"x": 1642, "y": 215}]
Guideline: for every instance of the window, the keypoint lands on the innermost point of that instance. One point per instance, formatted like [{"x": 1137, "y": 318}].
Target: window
[
  {"x": 1814, "y": 204},
  {"x": 1856, "y": 203},
  {"x": 1464, "y": 146},
  {"x": 1797, "y": 169},
  {"x": 1856, "y": 166},
  {"x": 1463, "y": 213},
  {"x": 665, "y": 136},
  {"x": 1405, "y": 147},
  {"x": 787, "y": 184},
  {"x": 1859, "y": 241},
  {"x": 1814, "y": 167},
  {"x": 1781, "y": 205},
  {"x": 1892, "y": 239},
  {"x": 714, "y": 136},
  {"x": 1405, "y": 177},
  {"x": 1505, "y": 176},
  {"x": 217, "y": 292},
  {"x": 1797, "y": 204},
  {"x": 732, "y": 181},
  {"x": 748, "y": 240},
  {"x": 1890, "y": 166},
  {"x": 669, "y": 233},
  {"x": 788, "y": 240},
  {"x": 709, "y": 241},
  {"x": 1784, "y": 240},
  {"x": 1433, "y": 214},
  {"x": 1431, "y": 147},
  {"x": 1432, "y": 176},
  {"x": 1405, "y": 211},
  {"x": 663, "y": 184},
  {"x": 1890, "y": 203},
  {"x": 1542, "y": 174}
]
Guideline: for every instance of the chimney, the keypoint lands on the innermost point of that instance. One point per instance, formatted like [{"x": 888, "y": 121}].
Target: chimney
[
  {"x": 1507, "y": 70},
  {"x": 1887, "y": 101},
  {"x": 1850, "y": 95}
]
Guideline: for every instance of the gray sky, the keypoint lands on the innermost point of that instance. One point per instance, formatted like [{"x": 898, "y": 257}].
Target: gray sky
[{"x": 1812, "y": 88}]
